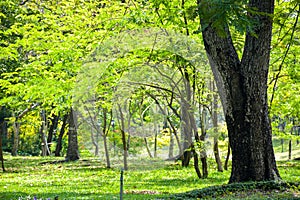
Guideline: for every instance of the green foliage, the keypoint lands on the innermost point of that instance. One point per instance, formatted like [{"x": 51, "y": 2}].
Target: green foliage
[{"x": 285, "y": 68}]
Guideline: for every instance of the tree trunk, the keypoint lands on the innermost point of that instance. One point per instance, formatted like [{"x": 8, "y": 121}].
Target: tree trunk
[
  {"x": 196, "y": 162},
  {"x": 106, "y": 151},
  {"x": 52, "y": 130},
  {"x": 215, "y": 126},
  {"x": 171, "y": 146},
  {"x": 60, "y": 136},
  {"x": 4, "y": 135},
  {"x": 245, "y": 101},
  {"x": 203, "y": 156},
  {"x": 147, "y": 147},
  {"x": 187, "y": 132},
  {"x": 16, "y": 128},
  {"x": 227, "y": 158},
  {"x": 72, "y": 151},
  {"x": 217, "y": 155},
  {"x": 1, "y": 149},
  {"x": 155, "y": 144},
  {"x": 43, "y": 131},
  {"x": 290, "y": 149},
  {"x": 128, "y": 142},
  {"x": 173, "y": 129},
  {"x": 125, "y": 151},
  {"x": 105, "y": 128},
  {"x": 95, "y": 141}
]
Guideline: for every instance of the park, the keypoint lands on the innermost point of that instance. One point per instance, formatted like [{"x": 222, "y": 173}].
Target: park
[{"x": 149, "y": 99}]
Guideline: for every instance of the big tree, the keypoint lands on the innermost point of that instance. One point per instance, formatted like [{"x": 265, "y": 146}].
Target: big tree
[{"x": 242, "y": 81}]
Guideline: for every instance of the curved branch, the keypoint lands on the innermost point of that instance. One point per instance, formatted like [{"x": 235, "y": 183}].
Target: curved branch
[{"x": 285, "y": 55}]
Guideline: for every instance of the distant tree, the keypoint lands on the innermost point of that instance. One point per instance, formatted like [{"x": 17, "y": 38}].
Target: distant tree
[
  {"x": 73, "y": 150},
  {"x": 58, "y": 147}
]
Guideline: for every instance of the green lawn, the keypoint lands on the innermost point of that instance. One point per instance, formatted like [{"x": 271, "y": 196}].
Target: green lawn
[{"x": 29, "y": 177}]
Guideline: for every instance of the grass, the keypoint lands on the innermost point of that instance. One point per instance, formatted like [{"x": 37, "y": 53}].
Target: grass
[
  {"x": 29, "y": 177},
  {"x": 42, "y": 178}
]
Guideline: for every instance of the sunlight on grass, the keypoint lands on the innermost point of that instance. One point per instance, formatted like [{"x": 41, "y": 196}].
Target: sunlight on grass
[
  {"x": 29, "y": 177},
  {"x": 89, "y": 179}
]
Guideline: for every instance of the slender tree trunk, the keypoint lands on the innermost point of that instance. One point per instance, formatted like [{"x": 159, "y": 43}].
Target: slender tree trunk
[
  {"x": 227, "y": 158},
  {"x": 16, "y": 128},
  {"x": 186, "y": 132},
  {"x": 44, "y": 139},
  {"x": 174, "y": 132},
  {"x": 171, "y": 146},
  {"x": 125, "y": 151},
  {"x": 215, "y": 125},
  {"x": 72, "y": 151},
  {"x": 245, "y": 84},
  {"x": 196, "y": 162},
  {"x": 95, "y": 141},
  {"x": 104, "y": 134},
  {"x": 4, "y": 135},
  {"x": 52, "y": 130},
  {"x": 155, "y": 144},
  {"x": 147, "y": 147},
  {"x": 43, "y": 131},
  {"x": 203, "y": 156},
  {"x": 198, "y": 142},
  {"x": 60, "y": 136},
  {"x": 290, "y": 149},
  {"x": 186, "y": 113},
  {"x": 128, "y": 142},
  {"x": 106, "y": 151},
  {"x": 173, "y": 129},
  {"x": 217, "y": 155}
]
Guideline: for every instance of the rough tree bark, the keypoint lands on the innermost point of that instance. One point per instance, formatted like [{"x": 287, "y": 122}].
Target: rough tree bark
[{"x": 245, "y": 85}]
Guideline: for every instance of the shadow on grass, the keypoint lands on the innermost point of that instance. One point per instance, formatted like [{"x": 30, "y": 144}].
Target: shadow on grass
[
  {"x": 267, "y": 189},
  {"x": 186, "y": 181}
]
